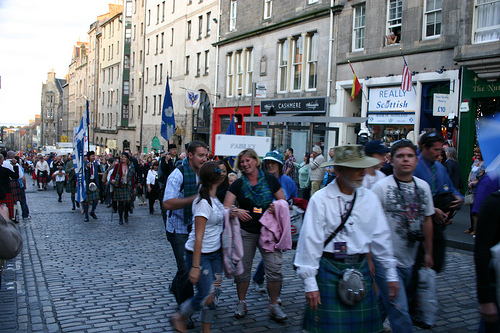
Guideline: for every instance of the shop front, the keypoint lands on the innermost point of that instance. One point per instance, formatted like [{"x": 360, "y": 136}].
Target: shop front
[
  {"x": 391, "y": 113},
  {"x": 479, "y": 98}
]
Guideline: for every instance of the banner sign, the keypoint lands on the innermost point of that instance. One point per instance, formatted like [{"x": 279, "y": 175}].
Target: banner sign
[
  {"x": 391, "y": 118},
  {"x": 391, "y": 99},
  {"x": 232, "y": 145},
  {"x": 294, "y": 105}
]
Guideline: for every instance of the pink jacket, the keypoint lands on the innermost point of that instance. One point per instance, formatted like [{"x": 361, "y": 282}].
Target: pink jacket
[
  {"x": 232, "y": 246},
  {"x": 276, "y": 232}
]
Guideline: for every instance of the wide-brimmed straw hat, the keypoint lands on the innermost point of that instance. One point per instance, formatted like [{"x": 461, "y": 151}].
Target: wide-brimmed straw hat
[{"x": 352, "y": 156}]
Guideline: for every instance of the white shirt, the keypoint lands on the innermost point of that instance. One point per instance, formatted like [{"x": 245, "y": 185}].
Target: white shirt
[
  {"x": 60, "y": 176},
  {"x": 369, "y": 181},
  {"x": 401, "y": 216},
  {"x": 362, "y": 232},
  {"x": 42, "y": 166},
  {"x": 213, "y": 229},
  {"x": 152, "y": 176}
]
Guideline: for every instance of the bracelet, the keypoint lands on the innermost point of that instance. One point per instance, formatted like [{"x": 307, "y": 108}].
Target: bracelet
[{"x": 195, "y": 267}]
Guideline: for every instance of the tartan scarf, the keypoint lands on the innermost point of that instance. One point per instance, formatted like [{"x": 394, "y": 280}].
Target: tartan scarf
[
  {"x": 189, "y": 189},
  {"x": 259, "y": 195}
]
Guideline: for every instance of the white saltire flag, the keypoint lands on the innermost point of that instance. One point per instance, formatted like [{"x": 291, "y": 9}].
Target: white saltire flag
[{"x": 192, "y": 99}]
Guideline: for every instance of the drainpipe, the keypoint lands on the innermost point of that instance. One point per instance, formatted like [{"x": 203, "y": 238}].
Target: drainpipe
[
  {"x": 142, "y": 76},
  {"x": 330, "y": 53}
]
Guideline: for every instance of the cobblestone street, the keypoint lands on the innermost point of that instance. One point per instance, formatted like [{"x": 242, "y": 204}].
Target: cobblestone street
[{"x": 99, "y": 276}]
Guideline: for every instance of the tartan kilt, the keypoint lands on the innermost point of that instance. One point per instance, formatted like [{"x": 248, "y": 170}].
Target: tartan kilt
[
  {"x": 60, "y": 187},
  {"x": 123, "y": 193},
  {"x": 333, "y": 314},
  {"x": 15, "y": 188},
  {"x": 91, "y": 196},
  {"x": 71, "y": 187},
  {"x": 42, "y": 177},
  {"x": 9, "y": 202}
]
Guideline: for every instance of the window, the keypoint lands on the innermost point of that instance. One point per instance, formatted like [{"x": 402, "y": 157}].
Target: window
[
  {"x": 156, "y": 45},
  {"x": 268, "y": 9},
  {"x": 157, "y": 14},
  {"x": 187, "y": 66},
  {"x": 146, "y": 104},
  {"x": 198, "y": 64},
  {"x": 132, "y": 87},
  {"x": 140, "y": 57},
  {"x": 189, "y": 30},
  {"x": 133, "y": 59},
  {"x": 161, "y": 72},
  {"x": 432, "y": 18},
  {"x": 209, "y": 20},
  {"x": 207, "y": 64},
  {"x": 232, "y": 15},
  {"x": 297, "y": 56},
  {"x": 163, "y": 11},
  {"x": 149, "y": 17},
  {"x": 103, "y": 53},
  {"x": 162, "y": 42},
  {"x": 154, "y": 105},
  {"x": 486, "y": 21},
  {"x": 249, "y": 71},
  {"x": 239, "y": 74},
  {"x": 159, "y": 104},
  {"x": 282, "y": 65},
  {"x": 394, "y": 19},
  {"x": 229, "y": 74},
  {"x": 310, "y": 2},
  {"x": 126, "y": 87},
  {"x": 142, "y": 29},
  {"x": 135, "y": 31},
  {"x": 171, "y": 67},
  {"x": 147, "y": 47},
  {"x": 156, "y": 74},
  {"x": 358, "y": 30},
  {"x": 146, "y": 79},
  {"x": 312, "y": 62},
  {"x": 173, "y": 6},
  {"x": 139, "y": 86},
  {"x": 172, "y": 40},
  {"x": 200, "y": 26}
]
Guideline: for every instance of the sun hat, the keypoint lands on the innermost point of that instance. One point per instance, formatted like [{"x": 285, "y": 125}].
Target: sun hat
[
  {"x": 274, "y": 155},
  {"x": 351, "y": 156},
  {"x": 376, "y": 147}
]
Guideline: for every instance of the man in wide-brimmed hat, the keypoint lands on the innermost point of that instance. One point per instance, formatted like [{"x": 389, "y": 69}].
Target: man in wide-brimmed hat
[{"x": 344, "y": 222}]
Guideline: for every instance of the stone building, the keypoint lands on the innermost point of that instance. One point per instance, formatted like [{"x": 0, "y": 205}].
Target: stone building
[
  {"x": 51, "y": 110},
  {"x": 77, "y": 86},
  {"x": 285, "y": 48},
  {"x": 178, "y": 44}
]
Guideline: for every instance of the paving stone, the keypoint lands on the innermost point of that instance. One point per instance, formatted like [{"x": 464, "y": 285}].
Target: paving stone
[{"x": 73, "y": 276}]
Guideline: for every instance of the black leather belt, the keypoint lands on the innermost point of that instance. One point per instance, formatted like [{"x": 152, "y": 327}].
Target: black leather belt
[{"x": 350, "y": 260}]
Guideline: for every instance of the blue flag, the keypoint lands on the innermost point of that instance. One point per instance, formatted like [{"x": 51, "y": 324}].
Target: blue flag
[
  {"x": 167, "y": 115},
  {"x": 488, "y": 129},
  {"x": 231, "y": 130},
  {"x": 81, "y": 136}
]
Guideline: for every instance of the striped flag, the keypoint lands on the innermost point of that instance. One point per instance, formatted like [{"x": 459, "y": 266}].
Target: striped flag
[
  {"x": 406, "y": 82},
  {"x": 80, "y": 137},
  {"x": 356, "y": 86},
  {"x": 167, "y": 115}
]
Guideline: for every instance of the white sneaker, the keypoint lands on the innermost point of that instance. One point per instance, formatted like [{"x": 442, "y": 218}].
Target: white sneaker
[
  {"x": 241, "y": 309},
  {"x": 260, "y": 288},
  {"x": 276, "y": 313}
]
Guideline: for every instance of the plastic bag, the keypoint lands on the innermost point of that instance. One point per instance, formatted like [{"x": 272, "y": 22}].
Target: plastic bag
[
  {"x": 296, "y": 217},
  {"x": 427, "y": 304},
  {"x": 469, "y": 198}
]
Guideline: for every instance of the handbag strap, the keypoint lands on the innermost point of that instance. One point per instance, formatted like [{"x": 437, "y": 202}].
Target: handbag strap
[{"x": 344, "y": 220}]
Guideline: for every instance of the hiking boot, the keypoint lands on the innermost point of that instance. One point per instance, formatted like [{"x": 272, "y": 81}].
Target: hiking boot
[
  {"x": 276, "y": 313},
  {"x": 241, "y": 309}
]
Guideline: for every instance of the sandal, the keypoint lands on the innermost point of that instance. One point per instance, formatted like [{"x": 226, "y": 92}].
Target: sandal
[{"x": 178, "y": 323}]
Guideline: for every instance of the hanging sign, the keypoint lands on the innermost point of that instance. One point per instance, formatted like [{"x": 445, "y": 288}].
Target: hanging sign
[
  {"x": 391, "y": 118},
  {"x": 232, "y": 145}
]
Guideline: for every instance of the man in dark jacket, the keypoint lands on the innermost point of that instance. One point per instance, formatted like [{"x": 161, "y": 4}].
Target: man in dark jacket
[{"x": 167, "y": 165}]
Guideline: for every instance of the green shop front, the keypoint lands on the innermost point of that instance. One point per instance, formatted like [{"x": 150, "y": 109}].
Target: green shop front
[{"x": 479, "y": 98}]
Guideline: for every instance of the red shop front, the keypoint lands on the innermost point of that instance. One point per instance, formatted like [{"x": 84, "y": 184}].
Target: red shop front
[{"x": 222, "y": 118}]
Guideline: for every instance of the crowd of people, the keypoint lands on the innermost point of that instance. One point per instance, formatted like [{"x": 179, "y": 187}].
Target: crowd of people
[{"x": 360, "y": 271}]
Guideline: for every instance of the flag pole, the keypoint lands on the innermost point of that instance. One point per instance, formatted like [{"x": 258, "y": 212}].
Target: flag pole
[{"x": 362, "y": 90}]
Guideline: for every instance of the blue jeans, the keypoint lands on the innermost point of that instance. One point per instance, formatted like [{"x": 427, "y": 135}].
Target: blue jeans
[
  {"x": 396, "y": 310},
  {"x": 260, "y": 273},
  {"x": 178, "y": 241},
  {"x": 24, "y": 205},
  {"x": 210, "y": 270}
]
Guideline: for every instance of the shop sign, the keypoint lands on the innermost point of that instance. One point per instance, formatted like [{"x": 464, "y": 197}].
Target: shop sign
[
  {"x": 464, "y": 107},
  {"x": 441, "y": 105},
  {"x": 112, "y": 144},
  {"x": 232, "y": 145},
  {"x": 260, "y": 90},
  {"x": 392, "y": 99},
  {"x": 391, "y": 118},
  {"x": 294, "y": 105}
]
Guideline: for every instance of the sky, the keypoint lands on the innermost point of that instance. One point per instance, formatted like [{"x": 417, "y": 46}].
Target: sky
[{"x": 37, "y": 36}]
